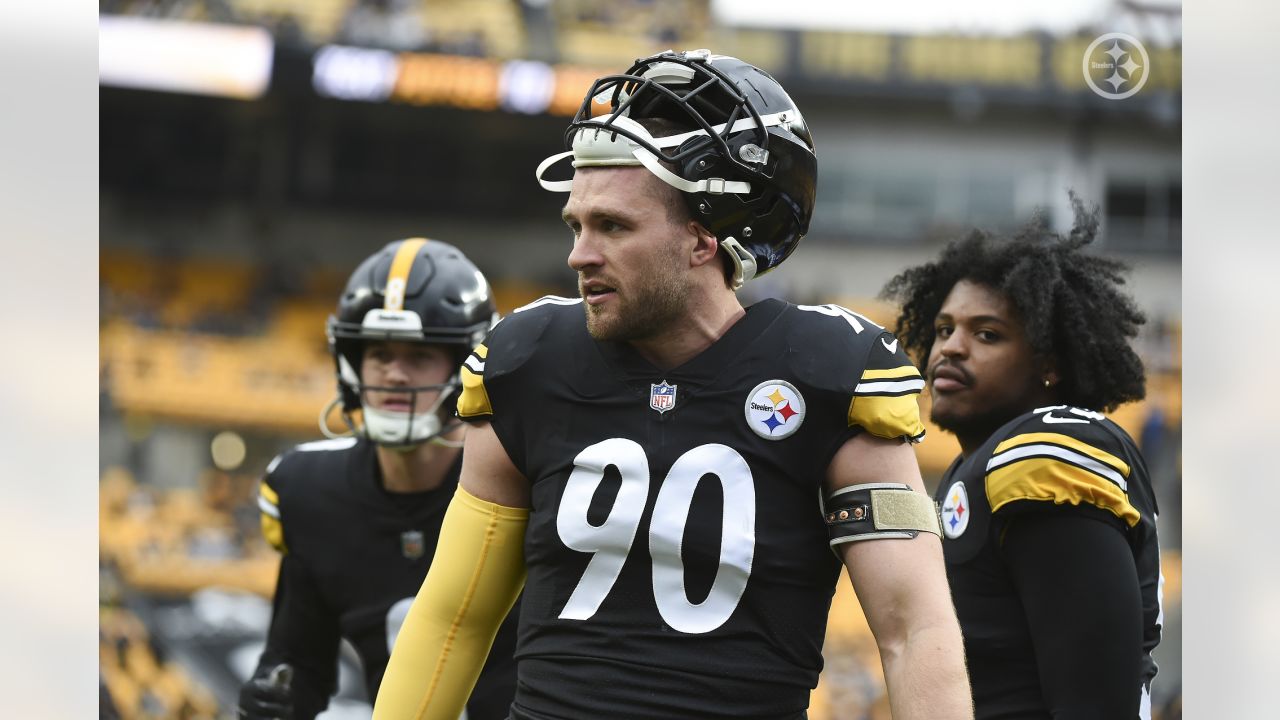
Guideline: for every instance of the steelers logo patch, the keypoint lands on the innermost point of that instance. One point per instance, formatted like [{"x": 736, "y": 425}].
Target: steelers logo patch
[
  {"x": 955, "y": 510},
  {"x": 774, "y": 409}
]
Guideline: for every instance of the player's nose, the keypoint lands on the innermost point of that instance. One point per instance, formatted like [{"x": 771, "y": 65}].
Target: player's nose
[
  {"x": 585, "y": 252},
  {"x": 954, "y": 346},
  {"x": 395, "y": 372}
]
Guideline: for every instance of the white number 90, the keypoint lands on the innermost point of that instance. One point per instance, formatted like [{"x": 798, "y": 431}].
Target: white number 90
[{"x": 612, "y": 540}]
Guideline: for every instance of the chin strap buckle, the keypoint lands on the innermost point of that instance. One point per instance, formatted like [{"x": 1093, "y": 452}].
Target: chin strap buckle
[{"x": 744, "y": 263}]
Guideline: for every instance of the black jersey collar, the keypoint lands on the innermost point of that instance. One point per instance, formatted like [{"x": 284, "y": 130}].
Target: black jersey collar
[{"x": 706, "y": 365}]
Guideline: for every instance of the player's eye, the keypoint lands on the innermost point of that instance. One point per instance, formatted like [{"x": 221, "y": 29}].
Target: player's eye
[
  {"x": 943, "y": 331},
  {"x": 610, "y": 226},
  {"x": 987, "y": 335}
]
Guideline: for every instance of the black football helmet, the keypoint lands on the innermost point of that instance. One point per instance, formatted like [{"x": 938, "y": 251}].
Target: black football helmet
[
  {"x": 747, "y": 165},
  {"x": 413, "y": 290}
]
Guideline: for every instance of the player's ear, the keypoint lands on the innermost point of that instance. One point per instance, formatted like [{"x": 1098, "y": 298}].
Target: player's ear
[{"x": 705, "y": 244}]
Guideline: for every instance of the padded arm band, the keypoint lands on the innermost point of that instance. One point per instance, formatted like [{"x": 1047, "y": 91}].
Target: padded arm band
[
  {"x": 475, "y": 578},
  {"x": 876, "y": 511}
]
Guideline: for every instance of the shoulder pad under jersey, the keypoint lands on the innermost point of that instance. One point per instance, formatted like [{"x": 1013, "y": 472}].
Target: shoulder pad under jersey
[
  {"x": 840, "y": 351},
  {"x": 281, "y": 478},
  {"x": 509, "y": 345},
  {"x": 1063, "y": 455}
]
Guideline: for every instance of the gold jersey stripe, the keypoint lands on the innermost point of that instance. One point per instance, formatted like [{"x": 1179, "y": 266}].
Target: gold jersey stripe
[
  {"x": 270, "y": 494},
  {"x": 481, "y": 351},
  {"x": 1048, "y": 479},
  {"x": 887, "y": 416},
  {"x": 904, "y": 372},
  {"x": 474, "y": 400},
  {"x": 272, "y": 528},
  {"x": 1067, "y": 441},
  {"x": 398, "y": 278}
]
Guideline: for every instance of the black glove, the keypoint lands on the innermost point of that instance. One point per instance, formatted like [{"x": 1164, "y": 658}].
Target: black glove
[{"x": 268, "y": 698}]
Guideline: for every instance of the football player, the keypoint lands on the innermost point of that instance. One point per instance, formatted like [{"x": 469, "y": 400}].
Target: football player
[
  {"x": 1048, "y": 513},
  {"x": 680, "y": 478},
  {"x": 357, "y": 518}
]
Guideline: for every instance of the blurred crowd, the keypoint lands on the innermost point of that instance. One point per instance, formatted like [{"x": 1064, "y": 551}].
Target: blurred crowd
[{"x": 536, "y": 29}]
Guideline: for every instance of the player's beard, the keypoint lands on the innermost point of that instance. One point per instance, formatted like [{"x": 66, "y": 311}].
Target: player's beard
[
  {"x": 974, "y": 424},
  {"x": 980, "y": 419},
  {"x": 642, "y": 312}
]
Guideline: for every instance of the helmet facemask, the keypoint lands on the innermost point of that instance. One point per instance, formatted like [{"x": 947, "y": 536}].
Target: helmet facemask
[{"x": 401, "y": 430}]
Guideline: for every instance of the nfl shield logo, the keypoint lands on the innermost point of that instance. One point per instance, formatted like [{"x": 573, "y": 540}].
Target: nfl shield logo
[
  {"x": 662, "y": 397},
  {"x": 412, "y": 544}
]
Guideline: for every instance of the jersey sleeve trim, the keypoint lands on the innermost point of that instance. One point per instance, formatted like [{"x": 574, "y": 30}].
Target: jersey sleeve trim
[
  {"x": 895, "y": 381},
  {"x": 272, "y": 526},
  {"x": 885, "y": 397},
  {"x": 884, "y": 402},
  {"x": 904, "y": 372},
  {"x": 268, "y": 502},
  {"x": 888, "y": 416},
  {"x": 473, "y": 402},
  {"x": 1066, "y": 448},
  {"x": 1047, "y": 478}
]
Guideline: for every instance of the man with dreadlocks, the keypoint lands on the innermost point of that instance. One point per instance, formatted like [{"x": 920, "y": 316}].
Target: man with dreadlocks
[{"x": 1048, "y": 513}]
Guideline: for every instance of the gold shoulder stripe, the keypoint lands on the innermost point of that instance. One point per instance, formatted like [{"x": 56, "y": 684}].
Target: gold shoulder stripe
[
  {"x": 474, "y": 400},
  {"x": 887, "y": 416},
  {"x": 269, "y": 515},
  {"x": 269, "y": 493},
  {"x": 398, "y": 278},
  {"x": 898, "y": 373},
  {"x": 273, "y": 531},
  {"x": 476, "y": 360},
  {"x": 1066, "y": 441},
  {"x": 1048, "y": 479}
]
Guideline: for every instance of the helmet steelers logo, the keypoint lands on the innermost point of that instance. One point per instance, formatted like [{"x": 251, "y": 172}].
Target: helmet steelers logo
[
  {"x": 955, "y": 510},
  {"x": 774, "y": 409}
]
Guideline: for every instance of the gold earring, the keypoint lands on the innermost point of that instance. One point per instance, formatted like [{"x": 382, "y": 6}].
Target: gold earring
[{"x": 1048, "y": 382}]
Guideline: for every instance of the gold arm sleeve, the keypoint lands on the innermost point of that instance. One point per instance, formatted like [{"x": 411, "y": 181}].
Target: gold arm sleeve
[{"x": 476, "y": 576}]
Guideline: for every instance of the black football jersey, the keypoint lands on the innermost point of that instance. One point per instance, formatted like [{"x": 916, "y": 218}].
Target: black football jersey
[
  {"x": 678, "y": 564},
  {"x": 1055, "y": 458},
  {"x": 354, "y": 557}
]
